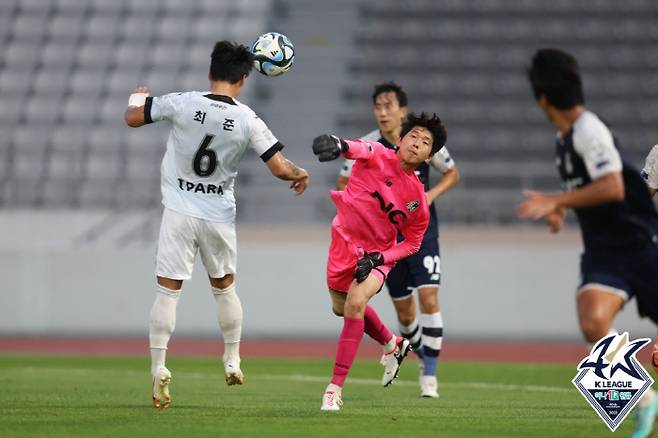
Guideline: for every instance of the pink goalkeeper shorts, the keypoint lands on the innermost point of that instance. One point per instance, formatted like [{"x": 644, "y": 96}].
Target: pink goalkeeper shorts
[{"x": 341, "y": 263}]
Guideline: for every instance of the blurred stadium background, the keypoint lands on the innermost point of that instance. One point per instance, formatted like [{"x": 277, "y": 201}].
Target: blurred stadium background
[{"x": 79, "y": 191}]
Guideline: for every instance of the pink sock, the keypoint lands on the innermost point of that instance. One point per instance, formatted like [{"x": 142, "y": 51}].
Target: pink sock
[
  {"x": 348, "y": 344},
  {"x": 375, "y": 328}
]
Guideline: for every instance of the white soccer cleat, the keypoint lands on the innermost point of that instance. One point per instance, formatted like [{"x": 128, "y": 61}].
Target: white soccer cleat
[
  {"x": 393, "y": 360},
  {"x": 331, "y": 401},
  {"x": 232, "y": 372},
  {"x": 428, "y": 387},
  {"x": 161, "y": 399}
]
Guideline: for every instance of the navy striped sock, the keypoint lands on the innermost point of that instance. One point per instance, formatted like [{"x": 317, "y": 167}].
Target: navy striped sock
[
  {"x": 432, "y": 339},
  {"x": 413, "y": 334}
]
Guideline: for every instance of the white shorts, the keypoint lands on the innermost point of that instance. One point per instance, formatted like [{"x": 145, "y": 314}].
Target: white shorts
[{"x": 180, "y": 238}]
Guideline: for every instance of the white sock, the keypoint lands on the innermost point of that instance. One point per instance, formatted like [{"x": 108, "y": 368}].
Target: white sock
[
  {"x": 158, "y": 356},
  {"x": 389, "y": 347},
  {"x": 162, "y": 322},
  {"x": 229, "y": 316},
  {"x": 432, "y": 330}
]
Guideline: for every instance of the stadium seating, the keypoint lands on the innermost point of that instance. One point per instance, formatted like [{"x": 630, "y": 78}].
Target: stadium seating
[
  {"x": 68, "y": 66},
  {"x": 66, "y": 71},
  {"x": 466, "y": 60}
]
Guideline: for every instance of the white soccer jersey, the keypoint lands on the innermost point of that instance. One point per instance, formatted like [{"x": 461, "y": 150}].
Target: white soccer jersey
[
  {"x": 209, "y": 136},
  {"x": 650, "y": 171}
]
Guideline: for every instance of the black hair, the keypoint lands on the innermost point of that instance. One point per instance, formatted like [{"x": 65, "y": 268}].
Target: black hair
[
  {"x": 555, "y": 74},
  {"x": 391, "y": 87},
  {"x": 230, "y": 62},
  {"x": 433, "y": 124}
]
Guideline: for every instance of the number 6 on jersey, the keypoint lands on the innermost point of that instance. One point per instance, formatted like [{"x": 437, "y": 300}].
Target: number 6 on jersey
[{"x": 205, "y": 167}]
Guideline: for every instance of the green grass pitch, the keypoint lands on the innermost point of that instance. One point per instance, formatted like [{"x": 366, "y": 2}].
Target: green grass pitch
[{"x": 110, "y": 397}]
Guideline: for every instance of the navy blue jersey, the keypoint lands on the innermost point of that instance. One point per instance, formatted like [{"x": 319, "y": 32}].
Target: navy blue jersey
[{"x": 588, "y": 152}]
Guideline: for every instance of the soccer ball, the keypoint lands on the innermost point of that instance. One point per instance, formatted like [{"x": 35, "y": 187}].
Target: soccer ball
[{"x": 274, "y": 54}]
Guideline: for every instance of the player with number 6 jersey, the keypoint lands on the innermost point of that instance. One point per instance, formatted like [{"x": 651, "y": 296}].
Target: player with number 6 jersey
[{"x": 210, "y": 133}]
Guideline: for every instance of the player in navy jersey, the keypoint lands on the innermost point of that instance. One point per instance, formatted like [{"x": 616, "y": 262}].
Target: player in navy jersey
[
  {"x": 420, "y": 272},
  {"x": 618, "y": 221}
]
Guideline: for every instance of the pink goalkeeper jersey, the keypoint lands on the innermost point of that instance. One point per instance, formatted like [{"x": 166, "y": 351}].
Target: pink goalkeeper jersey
[{"x": 379, "y": 200}]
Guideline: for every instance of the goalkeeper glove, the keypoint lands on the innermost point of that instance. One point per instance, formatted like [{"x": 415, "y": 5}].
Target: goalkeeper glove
[
  {"x": 365, "y": 264},
  {"x": 328, "y": 147}
]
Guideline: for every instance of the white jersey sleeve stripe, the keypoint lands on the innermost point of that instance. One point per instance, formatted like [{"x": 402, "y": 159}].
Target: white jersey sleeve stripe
[
  {"x": 346, "y": 168},
  {"x": 442, "y": 161},
  {"x": 594, "y": 143},
  {"x": 650, "y": 171}
]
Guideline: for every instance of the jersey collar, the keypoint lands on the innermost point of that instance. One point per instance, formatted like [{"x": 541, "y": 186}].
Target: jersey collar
[
  {"x": 388, "y": 144},
  {"x": 220, "y": 98}
]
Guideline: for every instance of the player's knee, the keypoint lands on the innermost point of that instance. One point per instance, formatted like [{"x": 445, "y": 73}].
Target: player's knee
[
  {"x": 222, "y": 282},
  {"x": 170, "y": 283},
  {"x": 594, "y": 326},
  {"x": 405, "y": 309},
  {"x": 428, "y": 298},
  {"x": 429, "y": 307},
  {"x": 407, "y": 316},
  {"x": 355, "y": 306},
  {"x": 338, "y": 312}
]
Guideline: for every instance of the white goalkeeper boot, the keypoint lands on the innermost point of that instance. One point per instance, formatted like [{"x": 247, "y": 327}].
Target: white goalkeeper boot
[{"x": 393, "y": 360}]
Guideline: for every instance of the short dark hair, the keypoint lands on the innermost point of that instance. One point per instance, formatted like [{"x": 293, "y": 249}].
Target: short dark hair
[
  {"x": 555, "y": 74},
  {"x": 433, "y": 124},
  {"x": 391, "y": 87},
  {"x": 230, "y": 62}
]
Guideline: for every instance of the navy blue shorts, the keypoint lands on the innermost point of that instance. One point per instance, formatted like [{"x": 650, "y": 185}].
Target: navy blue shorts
[
  {"x": 627, "y": 274},
  {"x": 418, "y": 270}
]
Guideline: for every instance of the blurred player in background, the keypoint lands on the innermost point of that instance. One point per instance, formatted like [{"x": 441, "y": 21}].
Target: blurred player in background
[
  {"x": 650, "y": 175},
  {"x": 618, "y": 220},
  {"x": 210, "y": 133},
  {"x": 650, "y": 171},
  {"x": 421, "y": 271},
  {"x": 384, "y": 198}
]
